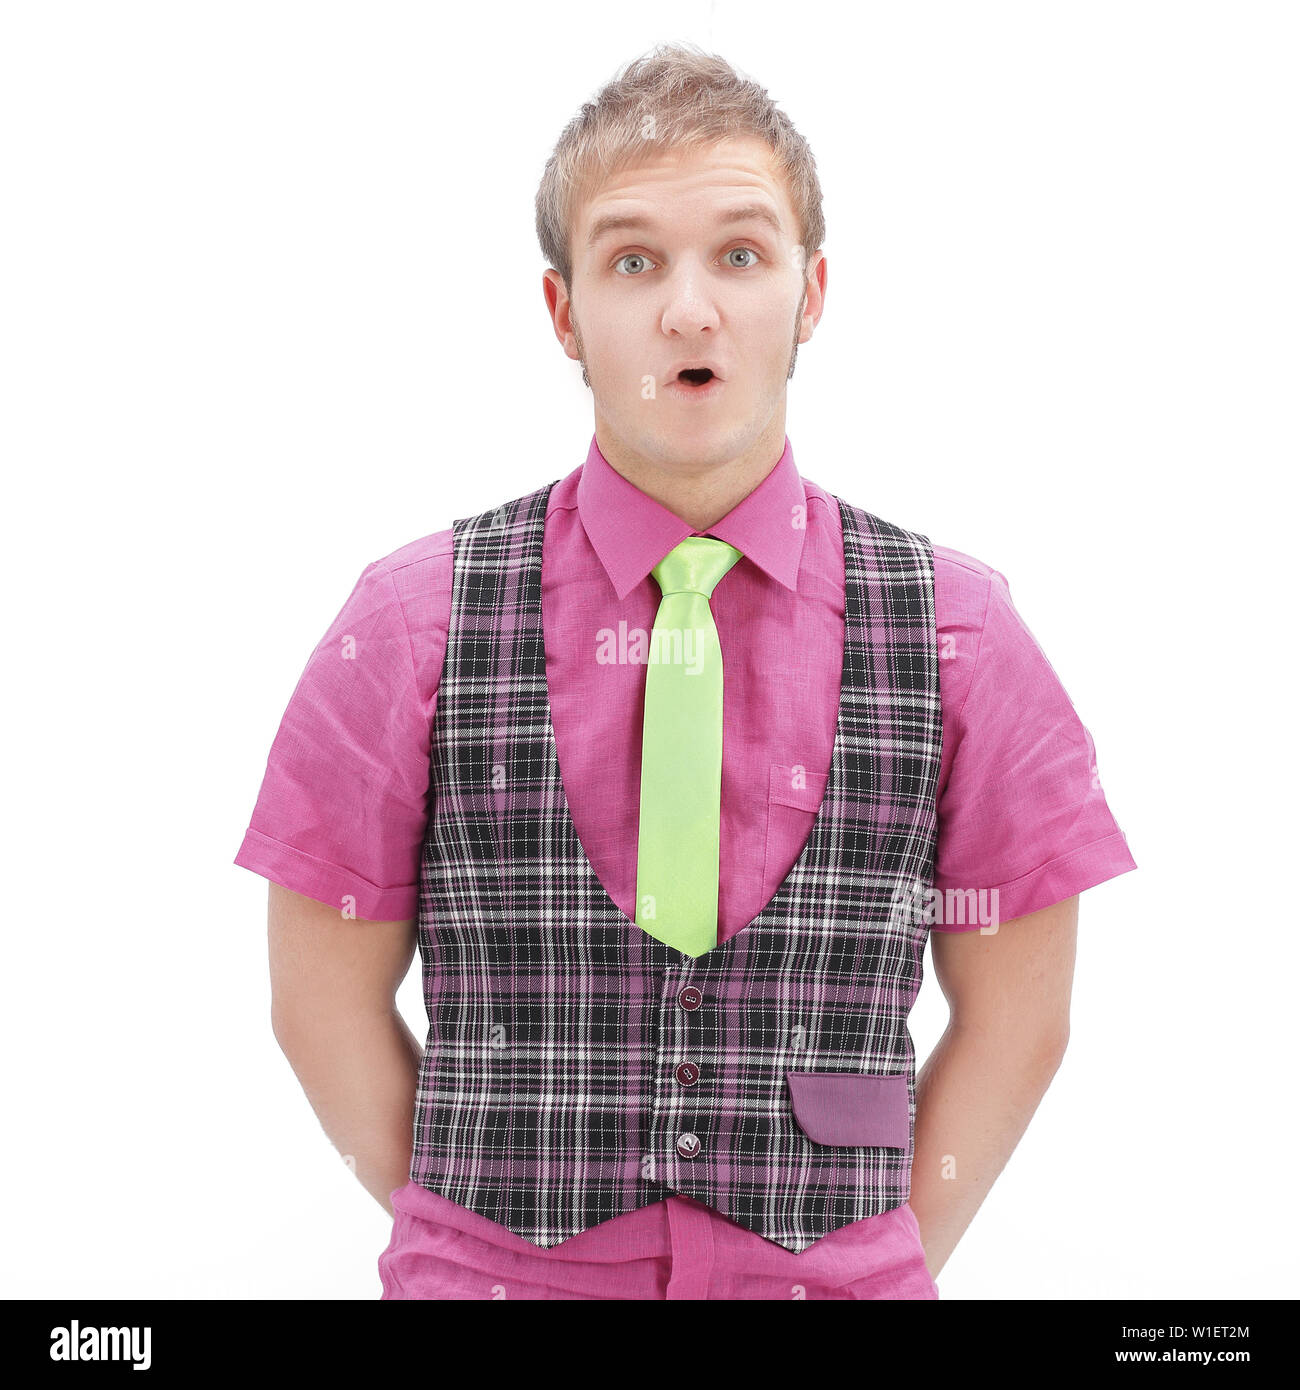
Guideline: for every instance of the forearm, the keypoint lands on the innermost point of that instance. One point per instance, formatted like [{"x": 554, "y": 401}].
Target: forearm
[
  {"x": 359, "y": 1072},
  {"x": 975, "y": 1097}
]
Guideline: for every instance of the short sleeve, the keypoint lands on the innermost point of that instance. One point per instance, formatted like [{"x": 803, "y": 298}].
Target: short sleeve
[
  {"x": 1023, "y": 811},
  {"x": 343, "y": 803}
]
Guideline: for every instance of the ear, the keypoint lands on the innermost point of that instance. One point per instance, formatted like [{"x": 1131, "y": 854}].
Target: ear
[
  {"x": 558, "y": 307},
  {"x": 815, "y": 304}
]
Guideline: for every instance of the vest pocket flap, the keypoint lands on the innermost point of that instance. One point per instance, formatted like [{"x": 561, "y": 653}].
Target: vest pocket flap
[
  {"x": 837, "y": 1107},
  {"x": 796, "y": 786}
]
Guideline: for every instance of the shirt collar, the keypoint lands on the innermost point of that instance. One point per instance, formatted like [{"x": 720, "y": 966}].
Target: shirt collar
[{"x": 631, "y": 532}]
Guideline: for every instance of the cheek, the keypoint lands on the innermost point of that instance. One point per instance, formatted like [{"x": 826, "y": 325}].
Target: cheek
[
  {"x": 614, "y": 338},
  {"x": 770, "y": 330}
]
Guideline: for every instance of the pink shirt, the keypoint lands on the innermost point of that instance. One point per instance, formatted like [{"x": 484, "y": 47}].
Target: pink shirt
[{"x": 342, "y": 809}]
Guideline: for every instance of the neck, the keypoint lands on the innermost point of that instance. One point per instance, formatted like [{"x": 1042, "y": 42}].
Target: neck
[{"x": 701, "y": 494}]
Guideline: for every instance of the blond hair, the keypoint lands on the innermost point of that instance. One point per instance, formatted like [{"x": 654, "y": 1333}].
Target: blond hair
[{"x": 676, "y": 97}]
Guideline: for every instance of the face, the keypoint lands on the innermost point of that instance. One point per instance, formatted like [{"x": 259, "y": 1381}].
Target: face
[{"x": 689, "y": 261}]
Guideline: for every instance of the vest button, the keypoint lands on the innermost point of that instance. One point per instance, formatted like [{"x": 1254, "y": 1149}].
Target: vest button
[
  {"x": 688, "y": 1145},
  {"x": 687, "y": 1073},
  {"x": 690, "y": 998}
]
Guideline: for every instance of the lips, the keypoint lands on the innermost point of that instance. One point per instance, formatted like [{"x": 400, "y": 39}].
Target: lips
[
  {"x": 694, "y": 385},
  {"x": 694, "y": 374}
]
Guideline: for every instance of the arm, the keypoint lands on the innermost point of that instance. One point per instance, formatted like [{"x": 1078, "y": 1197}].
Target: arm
[
  {"x": 1008, "y": 996},
  {"x": 333, "y": 1012}
]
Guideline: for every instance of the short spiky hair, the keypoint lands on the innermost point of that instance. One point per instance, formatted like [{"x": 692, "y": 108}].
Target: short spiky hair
[{"x": 677, "y": 97}]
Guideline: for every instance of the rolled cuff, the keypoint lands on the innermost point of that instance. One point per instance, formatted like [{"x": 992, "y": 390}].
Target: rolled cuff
[
  {"x": 1056, "y": 880},
  {"x": 325, "y": 882}
]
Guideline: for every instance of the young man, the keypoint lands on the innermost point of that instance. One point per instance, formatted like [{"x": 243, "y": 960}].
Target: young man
[{"x": 670, "y": 768}]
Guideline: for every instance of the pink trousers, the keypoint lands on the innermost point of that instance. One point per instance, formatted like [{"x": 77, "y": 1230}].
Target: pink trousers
[{"x": 677, "y": 1249}]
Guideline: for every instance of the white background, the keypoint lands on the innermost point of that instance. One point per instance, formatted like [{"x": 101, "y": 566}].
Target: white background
[{"x": 272, "y": 308}]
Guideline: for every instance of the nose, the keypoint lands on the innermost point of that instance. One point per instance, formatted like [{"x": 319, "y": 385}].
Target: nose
[{"x": 691, "y": 307}]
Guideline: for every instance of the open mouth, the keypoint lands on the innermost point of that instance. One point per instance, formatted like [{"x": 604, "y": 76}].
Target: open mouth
[{"x": 695, "y": 384}]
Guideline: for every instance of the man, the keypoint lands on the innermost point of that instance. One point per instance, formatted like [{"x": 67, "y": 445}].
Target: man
[{"x": 669, "y": 769}]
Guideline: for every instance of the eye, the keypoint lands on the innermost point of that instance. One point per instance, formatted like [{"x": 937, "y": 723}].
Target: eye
[
  {"x": 638, "y": 263},
  {"x": 631, "y": 256}
]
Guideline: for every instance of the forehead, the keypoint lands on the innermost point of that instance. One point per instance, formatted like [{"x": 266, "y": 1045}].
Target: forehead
[{"x": 688, "y": 188}]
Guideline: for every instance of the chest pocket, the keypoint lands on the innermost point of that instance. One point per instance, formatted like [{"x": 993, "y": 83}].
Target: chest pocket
[{"x": 794, "y": 797}]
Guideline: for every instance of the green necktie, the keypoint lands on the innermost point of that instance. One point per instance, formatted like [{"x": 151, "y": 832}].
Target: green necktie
[{"x": 681, "y": 752}]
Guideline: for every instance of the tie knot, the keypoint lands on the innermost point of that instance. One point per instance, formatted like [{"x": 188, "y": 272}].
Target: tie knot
[{"x": 695, "y": 566}]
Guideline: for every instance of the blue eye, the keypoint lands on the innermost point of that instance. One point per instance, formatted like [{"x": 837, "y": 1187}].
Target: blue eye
[{"x": 641, "y": 262}]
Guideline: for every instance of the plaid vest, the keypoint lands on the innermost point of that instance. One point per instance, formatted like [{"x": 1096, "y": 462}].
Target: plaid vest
[{"x": 578, "y": 1068}]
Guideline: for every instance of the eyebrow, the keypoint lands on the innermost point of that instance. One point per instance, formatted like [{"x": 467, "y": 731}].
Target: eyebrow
[{"x": 627, "y": 221}]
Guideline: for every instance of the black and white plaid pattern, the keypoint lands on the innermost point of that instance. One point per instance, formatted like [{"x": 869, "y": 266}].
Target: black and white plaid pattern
[{"x": 547, "y": 1099}]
